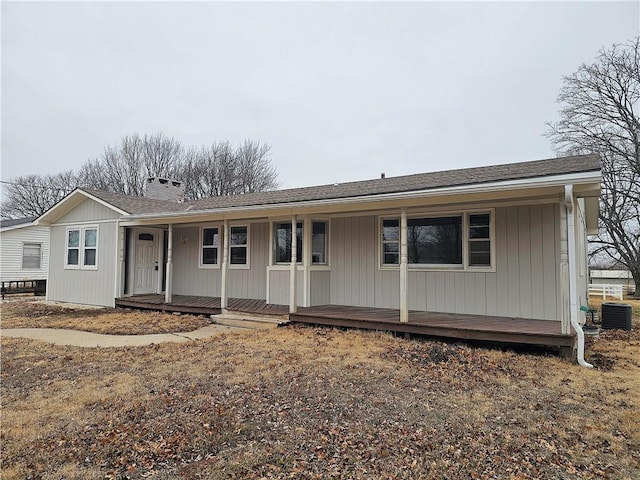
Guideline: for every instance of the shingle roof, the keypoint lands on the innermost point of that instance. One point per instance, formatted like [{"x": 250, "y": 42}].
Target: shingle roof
[
  {"x": 406, "y": 183},
  {"x": 134, "y": 205},
  {"x": 16, "y": 221}
]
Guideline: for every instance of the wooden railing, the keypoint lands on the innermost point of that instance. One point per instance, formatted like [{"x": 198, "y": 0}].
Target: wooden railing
[
  {"x": 37, "y": 287},
  {"x": 604, "y": 290}
]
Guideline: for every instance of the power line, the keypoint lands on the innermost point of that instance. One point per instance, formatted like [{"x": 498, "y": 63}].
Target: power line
[{"x": 30, "y": 185}]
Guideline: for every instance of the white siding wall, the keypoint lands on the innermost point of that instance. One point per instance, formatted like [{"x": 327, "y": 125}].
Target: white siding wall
[
  {"x": 90, "y": 287},
  {"x": 279, "y": 286},
  {"x": 11, "y": 243},
  {"x": 525, "y": 283}
]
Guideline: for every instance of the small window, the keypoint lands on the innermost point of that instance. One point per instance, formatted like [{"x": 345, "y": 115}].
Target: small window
[
  {"x": 73, "y": 247},
  {"x": 90, "y": 247},
  {"x": 210, "y": 246},
  {"x": 319, "y": 243},
  {"x": 480, "y": 240},
  {"x": 146, "y": 237},
  {"x": 282, "y": 242},
  {"x": 31, "y": 256},
  {"x": 238, "y": 242},
  {"x": 390, "y": 242}
]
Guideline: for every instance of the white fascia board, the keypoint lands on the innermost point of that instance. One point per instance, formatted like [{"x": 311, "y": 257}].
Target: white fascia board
[
  {"x": 516, "y": 185},
  {"x": 70, "y": 202},
  {"x": 16, "y": 227}
]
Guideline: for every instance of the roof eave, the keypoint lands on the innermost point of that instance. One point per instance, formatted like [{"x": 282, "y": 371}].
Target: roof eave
[{"x": 589, "y": 179}]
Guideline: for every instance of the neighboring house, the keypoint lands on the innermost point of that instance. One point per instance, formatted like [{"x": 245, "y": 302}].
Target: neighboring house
[
  {"x": 497, "y": 241},
  {"x": 24, "y": 250}
]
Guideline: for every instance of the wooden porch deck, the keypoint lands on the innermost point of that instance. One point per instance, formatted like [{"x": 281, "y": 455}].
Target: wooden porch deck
[
  {"x": 457, "y": 326},
  {"x": 200, "y": 305}
]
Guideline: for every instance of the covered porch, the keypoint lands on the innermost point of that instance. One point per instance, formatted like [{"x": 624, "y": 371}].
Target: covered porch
[{"x": 446, "y": 325}]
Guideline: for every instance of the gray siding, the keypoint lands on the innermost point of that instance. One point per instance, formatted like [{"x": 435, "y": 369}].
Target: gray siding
[
  {"x": 320, "y": 287},
  {"x": 88, "y": 211},
  {"x": 355, "y": 277},
  {"x": 190, "y": 279},
  {"x": 279, "y": 287},
  {"x": 525, "y": 283},
  {"x": 90, "y": 287},
  {"x": 11, "y": 249}
]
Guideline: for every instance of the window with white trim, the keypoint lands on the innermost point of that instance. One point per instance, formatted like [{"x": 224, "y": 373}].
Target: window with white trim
[
  {"x": 437, "y": 241},
  {"x": 479, "y": 240},
  {"x": 239, "y": 245},
  {"x": 209, "y": 247},
  {"x": 319, "y": 242},
  {"x": 31, "y": 256},
  {"x": 81, "y": 249},
  {"x": 282, "y": 242}
]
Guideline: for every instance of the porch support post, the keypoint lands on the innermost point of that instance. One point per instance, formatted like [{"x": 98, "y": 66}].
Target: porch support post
[
  {"x": 167, "y": 291},
  {"x": 293, "y": 308},
  {"x": 404, "y": 268},
  {"x": 225, "y": 265},
  {"x": 565, "y": 311},
  {"x": 117, "y": 288}
]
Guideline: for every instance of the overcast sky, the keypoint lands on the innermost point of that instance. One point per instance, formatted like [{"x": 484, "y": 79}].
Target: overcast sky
[{"x": 341, "y": 91}]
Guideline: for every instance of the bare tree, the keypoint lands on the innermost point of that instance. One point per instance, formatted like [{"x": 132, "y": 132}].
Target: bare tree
[
  {"x": 255, "y": 172},
  {"x": 599, "y": 114},
  {"x": 219, "y": 169},
  {"x": 32, "y": 195},
  {"x": 209, "y": 171}
]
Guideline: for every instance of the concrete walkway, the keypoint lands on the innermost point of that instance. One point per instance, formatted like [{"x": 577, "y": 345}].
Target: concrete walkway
[{"x": 79, "y": 338}]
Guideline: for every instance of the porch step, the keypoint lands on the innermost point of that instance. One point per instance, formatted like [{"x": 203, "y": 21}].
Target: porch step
[{"x": 252, "y": 320}]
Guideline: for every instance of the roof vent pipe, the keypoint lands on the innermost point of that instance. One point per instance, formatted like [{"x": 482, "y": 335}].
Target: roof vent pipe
[{"x": 382, "y": 175}]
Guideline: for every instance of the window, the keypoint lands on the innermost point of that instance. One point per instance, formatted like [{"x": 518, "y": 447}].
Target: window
[
  {"x": 391, "y": 242},
  {"x": 435, "y": 241},
  {"x": 31, "y": 256},
  {"x": 90, "y": 247},
  {"x": 82, "y": 248},
  {"x": 439, "y": 241},
  {"x": 73, "y": 247},
  {"x": 282, "y": 242},
  {"x": 210, "y": 242},
  {"x": 319, "y": 243},
  {"x": 480, "y": 240},
  {"x": 238, "y": 241}
]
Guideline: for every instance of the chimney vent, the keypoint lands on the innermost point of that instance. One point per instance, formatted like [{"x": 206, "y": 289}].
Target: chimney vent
[{"x": 382, "y": 175}]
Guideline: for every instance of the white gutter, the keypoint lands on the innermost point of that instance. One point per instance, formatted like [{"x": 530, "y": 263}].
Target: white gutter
[{"x": 573, "y": 296}]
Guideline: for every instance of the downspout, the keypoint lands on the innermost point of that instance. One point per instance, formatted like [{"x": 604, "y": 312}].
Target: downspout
[{"x": 573, "y": 295}]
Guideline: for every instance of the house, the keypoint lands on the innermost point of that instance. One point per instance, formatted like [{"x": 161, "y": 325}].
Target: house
[
  {"x": 619, "y": 278},
  {"x": 504, "y": 242},
  {"x": 24, "y": 255}
]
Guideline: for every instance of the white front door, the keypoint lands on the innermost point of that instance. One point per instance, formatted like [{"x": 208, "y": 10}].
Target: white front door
[{"x": 147, "y": 266}]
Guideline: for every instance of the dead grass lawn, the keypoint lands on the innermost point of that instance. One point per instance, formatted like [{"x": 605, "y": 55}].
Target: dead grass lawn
[
  {"x": 318, "y": 403},
  {"x": 31, "y": 313}
]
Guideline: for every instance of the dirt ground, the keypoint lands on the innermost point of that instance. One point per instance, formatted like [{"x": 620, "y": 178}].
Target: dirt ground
[{"x": 315, "y": 403}]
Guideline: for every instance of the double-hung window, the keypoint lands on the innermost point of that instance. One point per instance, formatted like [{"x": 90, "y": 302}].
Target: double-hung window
[
  {"x": 282, "y": 242},
  {"x": 238, "y": 245},
  {"x": 439, "y": 241},
  {"x": 209, "y": 247},
  {"x": 31, "y": 256},
  {"x": 82, "y": 248},
  {"x": 319, "y": 242}
]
